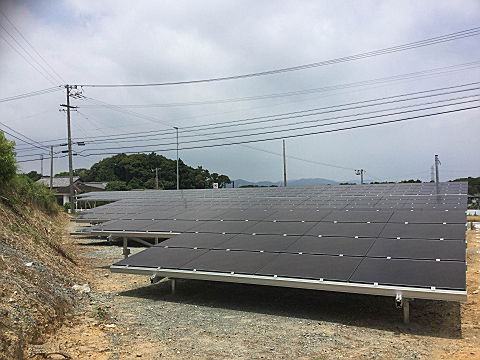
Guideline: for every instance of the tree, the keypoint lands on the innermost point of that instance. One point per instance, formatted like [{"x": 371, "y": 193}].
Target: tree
[
  {"x": 134, "y": 183},
  {"x": 136, "y": 171},
  {"x": 82, "y": 172},
  {"x": 117, "y": 186},
  {"x": 410, "y": 181},
  {"x": 34, "y": 175},
  {"x": 8, "y": 166},
  {"x": 223, "y": 180}
]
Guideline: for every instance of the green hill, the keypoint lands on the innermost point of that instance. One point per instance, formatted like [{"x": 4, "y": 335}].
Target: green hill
[{"x": 137, "y": 171}]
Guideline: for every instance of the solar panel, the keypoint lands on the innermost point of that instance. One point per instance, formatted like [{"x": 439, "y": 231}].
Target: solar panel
[
  {"x": 248, "y": 214},
  {"x": 423, "y": 273},
  {"x": 193, "y": 240},
  {"x": 219, "y": 227},
  {"x": 236, "y": 262},
  {"x": 269, "y": 243},
  {"x": 331, "y": 246},
  {"x": 430, "y": 217},
  {"x": 298, "y": 215},
  {"x": 172, "y": 226},
  {"x": 418, "y": 249},
  {"x": 159, "y": 257},
  {"x": 307, "y": 266},
  {"x": 381, "y": 239},
  {"x": 286, "y": 228},
  {"x": 358, "y": 216},
  {"x": 371, "y": 230},
  {"x": 424, "y": 231}
]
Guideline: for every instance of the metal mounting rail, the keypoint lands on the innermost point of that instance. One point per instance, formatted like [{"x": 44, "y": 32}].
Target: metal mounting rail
[{"x": 371, "y": 289}]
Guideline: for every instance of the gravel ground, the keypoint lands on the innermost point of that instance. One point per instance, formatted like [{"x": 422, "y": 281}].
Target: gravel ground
[{"x": 210, "y": 320}]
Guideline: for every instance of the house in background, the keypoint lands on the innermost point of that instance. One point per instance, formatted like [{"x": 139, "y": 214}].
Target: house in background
[{"x": 61, "y": 187}]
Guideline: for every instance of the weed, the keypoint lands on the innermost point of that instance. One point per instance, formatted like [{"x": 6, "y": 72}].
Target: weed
[
  {"x": 14, "y": 228},
  {"x": 99, "y": 313}
]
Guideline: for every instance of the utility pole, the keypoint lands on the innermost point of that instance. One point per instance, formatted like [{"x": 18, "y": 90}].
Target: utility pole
[
  {"x": 432, "y": 174},
  {"x": 41, "y": 164},
  {"x": 70, "y": 165},
  {"x": 51, "y": 167},
  {"x": 360, "y": 172},
  {"x": 284, "y": 167},
  {"x": 156, "y": 178},
  {"x": 178, "y": 179},
  {"x": 437, "y": 162}
]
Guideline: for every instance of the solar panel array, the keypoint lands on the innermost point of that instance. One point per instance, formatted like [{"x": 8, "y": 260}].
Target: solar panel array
[{"x": 402, "y": 235}]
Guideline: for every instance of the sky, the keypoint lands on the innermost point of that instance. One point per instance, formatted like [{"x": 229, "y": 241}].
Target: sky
[{"x": 87, "y": 42}]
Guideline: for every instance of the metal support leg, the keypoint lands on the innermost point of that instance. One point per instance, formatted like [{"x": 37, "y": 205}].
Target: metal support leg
[
  {"x": 406, "y": 311},
  {"x": 173, "y": 286},
  {"x": 126, "y": 251},
  {"x": 156, "y": 240}
]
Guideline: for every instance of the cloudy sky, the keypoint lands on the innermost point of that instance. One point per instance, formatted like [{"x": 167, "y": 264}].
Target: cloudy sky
[{"x": 91, "y": 42}]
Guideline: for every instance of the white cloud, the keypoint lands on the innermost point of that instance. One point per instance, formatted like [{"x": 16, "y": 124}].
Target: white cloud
[{"x": 156, "y": 41}]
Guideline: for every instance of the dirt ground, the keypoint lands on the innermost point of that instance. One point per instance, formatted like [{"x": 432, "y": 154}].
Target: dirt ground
[{"x": 125, "y": 317}]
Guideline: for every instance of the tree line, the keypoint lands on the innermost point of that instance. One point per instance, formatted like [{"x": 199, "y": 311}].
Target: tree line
[{"x": 137, "y": 171}]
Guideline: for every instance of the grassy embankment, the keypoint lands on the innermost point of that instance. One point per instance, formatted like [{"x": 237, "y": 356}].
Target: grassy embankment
[{"x": 37, "y": 266}]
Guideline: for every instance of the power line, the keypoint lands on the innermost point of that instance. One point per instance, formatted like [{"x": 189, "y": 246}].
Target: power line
[
  {"x": 27, "y": 60},
  {"x": 274, "y": 117},
  {"x": 119, "y": 139},
  {"x": 32, "y": 46},
  {"x": 30, "y": 94},
  {"x": 303, "y": 127},
  {"x": 288, "y": 102},
  {"x": 16, "y": 137},
  {"x": 414, "y": 75},
  {"x": 394, "y": 49},
  {"x": 216, "y": 125},
  {"x": 26, "y": 52},
  {"x": 26, "y": 137},
  {"x": 304, "y": 134}
]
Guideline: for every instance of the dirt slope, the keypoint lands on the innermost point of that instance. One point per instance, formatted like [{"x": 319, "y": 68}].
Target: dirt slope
[
  {"x": 37, "y": 269},
  {"x": 127, "y": 318}
]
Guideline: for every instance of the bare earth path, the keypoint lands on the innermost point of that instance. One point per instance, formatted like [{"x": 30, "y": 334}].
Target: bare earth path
[{"x": 124, "y": 317}]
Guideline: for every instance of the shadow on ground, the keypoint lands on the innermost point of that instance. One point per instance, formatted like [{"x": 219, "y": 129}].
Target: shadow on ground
[{"x": 428, "y": 317}]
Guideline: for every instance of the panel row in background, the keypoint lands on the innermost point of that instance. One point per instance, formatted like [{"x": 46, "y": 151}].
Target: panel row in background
[
  {"x": 378, "y": 224},
  {"x": 455, "y": 188},
  {"x": 372, "y": 270},
  {"x": 124, "y": 207},
  {"x": 365, "y": 216},
  {"x": 419, "y": 249}
]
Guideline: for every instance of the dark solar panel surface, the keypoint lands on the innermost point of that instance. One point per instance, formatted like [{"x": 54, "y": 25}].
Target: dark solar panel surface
[
  {"x": 269, "y": 243},
  {"x": 422, "y": 273},
  {"x": 418, "y": 249},
  {"x": 306, "y": 266},
  {"x": 331, "y": 245},
  {"x": 238, "y": 262},
  {"x": 166, "y": 258},
  {"x": 386, "y": 234},
  {"x": 192, "y": 240}
]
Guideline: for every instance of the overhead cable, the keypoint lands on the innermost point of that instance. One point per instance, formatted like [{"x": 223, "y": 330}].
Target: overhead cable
[{"x": 427, "y": 42}]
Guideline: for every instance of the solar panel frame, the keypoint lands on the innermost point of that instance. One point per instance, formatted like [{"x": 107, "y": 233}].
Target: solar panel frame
[{"x": 357, "y": 203}]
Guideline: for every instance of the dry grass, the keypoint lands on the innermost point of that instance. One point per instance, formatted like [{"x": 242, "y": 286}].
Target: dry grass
[{"x": 37, "y": 270}]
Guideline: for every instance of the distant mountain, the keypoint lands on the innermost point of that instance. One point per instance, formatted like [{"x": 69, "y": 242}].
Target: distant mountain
[{"x": 298, "y": 182}]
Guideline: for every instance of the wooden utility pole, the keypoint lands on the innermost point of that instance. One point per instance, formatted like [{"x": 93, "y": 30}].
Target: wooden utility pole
[
  {"x": 178, "y": 177},
  {"x": 70, "y": 165},
  {"x": 51, "y": 167},
  {"x": 284, "y": 167},
  {"x": 360, "y": 172},
  {"x": 437, "y": 176}
]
